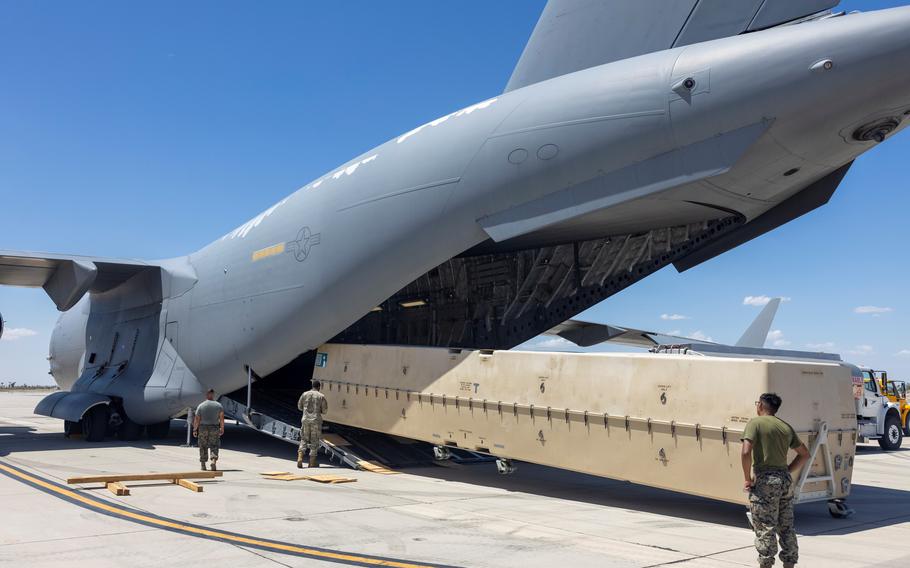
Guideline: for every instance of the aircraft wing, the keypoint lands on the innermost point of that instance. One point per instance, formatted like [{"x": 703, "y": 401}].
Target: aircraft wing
[
  {"x": 587, "y": 334},
  {"x": 66, "y": 278},
  {"x": 572, "y": 35}
]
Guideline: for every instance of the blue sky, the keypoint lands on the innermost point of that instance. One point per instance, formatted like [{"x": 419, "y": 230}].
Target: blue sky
[{"x": 147, "y": 130}]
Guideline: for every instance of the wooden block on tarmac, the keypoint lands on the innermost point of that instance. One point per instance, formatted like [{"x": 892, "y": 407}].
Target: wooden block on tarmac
[
  {"x": 376, "y": 467},
  {"x": 144, "y": 477},
  {"x": 189, "y": 485},
  {"x": 117, "y": 488},
  {"x": 287, "y": 477},
  {"x": 326, "y": 478}
]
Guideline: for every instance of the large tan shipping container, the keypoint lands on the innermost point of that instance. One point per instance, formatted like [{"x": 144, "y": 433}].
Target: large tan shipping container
[{"x": 668, "y": 421}]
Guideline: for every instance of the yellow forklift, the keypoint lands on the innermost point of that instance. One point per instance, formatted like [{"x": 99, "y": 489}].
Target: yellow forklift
[{"x": 896, "y": 391}]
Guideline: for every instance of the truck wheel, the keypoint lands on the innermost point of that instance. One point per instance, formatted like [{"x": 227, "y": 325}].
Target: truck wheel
[
  {"x": 893, "y": 435},
  {"x": 907, "y": 425},
  {"x": 94, "y": 423}
]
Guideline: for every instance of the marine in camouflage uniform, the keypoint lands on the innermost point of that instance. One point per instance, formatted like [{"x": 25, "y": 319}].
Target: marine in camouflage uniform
[
  {"x": 772, "y": 517},
  {"x": 208, "y": 426},
  {"x": 766, "y": 441},
  {"x": 209, "y": 441},
  {"x": 313, "y": 405}
]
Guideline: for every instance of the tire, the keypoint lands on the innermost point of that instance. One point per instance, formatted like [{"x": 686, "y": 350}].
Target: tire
[
  {"x": 129, "y": 431},
  {"x": 159, "y": 430},
  {"x": 907, "y": 425},
  {"x": 94, "y": 423},
  {"x": 71, "y": 428},
  {"x": 893, "y": 435}
]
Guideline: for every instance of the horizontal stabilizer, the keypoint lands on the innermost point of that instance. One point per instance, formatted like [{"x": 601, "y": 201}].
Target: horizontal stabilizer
[
  {"x": 694, "y": 162},
  {"x": 757, "y": 333},
  {"x": 572, "y": 35},
  {"x": 65, "y": 278},
  {"x": 809, "y": 199}
]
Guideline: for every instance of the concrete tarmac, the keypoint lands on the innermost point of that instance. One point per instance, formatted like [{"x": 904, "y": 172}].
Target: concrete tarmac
[{"x": 460, "y": 516}]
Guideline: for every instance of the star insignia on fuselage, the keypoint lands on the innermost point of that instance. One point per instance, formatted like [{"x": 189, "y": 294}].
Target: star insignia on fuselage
[{"x": 306, "y": 240}]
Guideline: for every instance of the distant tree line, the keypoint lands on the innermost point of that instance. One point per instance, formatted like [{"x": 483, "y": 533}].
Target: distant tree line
[{"x": 13, "y": 385}]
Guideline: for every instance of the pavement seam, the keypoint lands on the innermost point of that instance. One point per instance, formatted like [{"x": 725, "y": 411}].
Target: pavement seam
[
  {"x": 700, "y": 557},
  {"x": 75, "y": 537},
  {"x": 588, "y": 535}
]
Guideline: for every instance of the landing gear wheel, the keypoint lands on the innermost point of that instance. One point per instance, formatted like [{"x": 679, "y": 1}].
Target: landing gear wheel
[
  {"x": 894, "y": 434},
  {"x": 71, "y": 428},
  {"x": 129, "y": 431},
  {"x": 94, "y": 423},
  {"x": 838, "y": 509},
  {"x": 159, "y": 430}
]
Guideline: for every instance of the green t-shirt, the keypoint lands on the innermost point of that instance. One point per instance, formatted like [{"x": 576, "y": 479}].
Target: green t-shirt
[
  {"x": 771, "y": 437},
  {"x": 209, "y": 412}
]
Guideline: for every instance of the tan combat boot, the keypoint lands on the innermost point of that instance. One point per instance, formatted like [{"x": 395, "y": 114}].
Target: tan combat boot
[
  {"x": 313, "y": 459},
  {"x": 299, "y": 459}
]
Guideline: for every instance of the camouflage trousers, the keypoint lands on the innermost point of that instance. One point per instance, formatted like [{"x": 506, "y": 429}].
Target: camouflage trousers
[
  {"x": 310, "y": 434},
  {"x": 209, "y": 439},
  {"x": 772, "y": 517}
]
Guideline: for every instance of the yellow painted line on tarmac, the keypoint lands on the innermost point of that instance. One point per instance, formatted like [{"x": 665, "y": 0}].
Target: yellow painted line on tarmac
[{"x": 196, "y": 530}]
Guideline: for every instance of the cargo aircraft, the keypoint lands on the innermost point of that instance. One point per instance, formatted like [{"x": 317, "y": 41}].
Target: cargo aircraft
[{"x": 632, "y": 134}]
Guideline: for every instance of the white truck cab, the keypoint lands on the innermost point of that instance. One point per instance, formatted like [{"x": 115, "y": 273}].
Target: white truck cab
[{"x": 877, "y": 417}]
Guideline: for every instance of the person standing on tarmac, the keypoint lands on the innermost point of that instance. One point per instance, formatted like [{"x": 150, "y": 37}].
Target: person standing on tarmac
[
  {"x": 766, "y": 441},
  {"x": 208, "y": 427},
  {"x": 313, "y": 405}
]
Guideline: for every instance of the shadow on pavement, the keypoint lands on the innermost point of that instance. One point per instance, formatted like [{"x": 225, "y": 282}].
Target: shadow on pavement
[{"x": 874, "y": 506}]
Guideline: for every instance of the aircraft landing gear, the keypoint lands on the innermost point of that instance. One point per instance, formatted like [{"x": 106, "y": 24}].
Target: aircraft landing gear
[
  {"x": 505, "y": 467},
  {"x": 94, "y": 423},
  {"x": 71, "y": 428},
  {"x": 129, "y": 431},
  {"x": 159, "y": 430},
  {"x": 839, "y": 509}
]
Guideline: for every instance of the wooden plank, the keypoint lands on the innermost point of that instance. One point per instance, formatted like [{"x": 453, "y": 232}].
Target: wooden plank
[
  {"x": 189, "y": 485},
  {"x": 331, "y": 479},
  {"x": 374, "y": 467},
  {"x": 272, "y": 473},
  {"x": 145, "y": 477},
  {"x": 287, "y": 477},
  {"x": 117, "y": 488}
]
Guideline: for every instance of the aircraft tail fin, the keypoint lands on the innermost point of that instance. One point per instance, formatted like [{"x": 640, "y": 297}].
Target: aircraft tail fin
[
  {"x": 757, "y": 333},
  {"x": 572, "y": 35}
]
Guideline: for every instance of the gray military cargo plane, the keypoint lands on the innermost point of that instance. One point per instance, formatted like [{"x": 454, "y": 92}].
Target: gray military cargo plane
[{"x": 633, "y": 134}]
